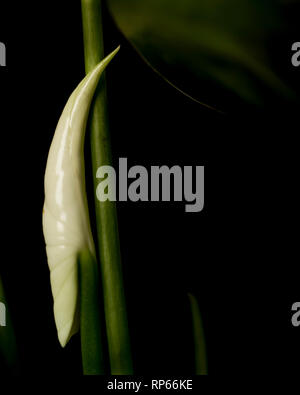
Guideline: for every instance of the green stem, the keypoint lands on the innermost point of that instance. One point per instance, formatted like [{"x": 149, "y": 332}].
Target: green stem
[
  {"x": 90, "y": 322},
  {"x": 199, "y": 339},
  {"x": 106, "y": 215}
]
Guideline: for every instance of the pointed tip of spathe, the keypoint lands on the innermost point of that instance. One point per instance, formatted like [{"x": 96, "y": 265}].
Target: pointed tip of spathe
[
  {"x": 116, "y": 50},
  {"x": 100, "y": 67},
  {"x": 109, "y": 57}
]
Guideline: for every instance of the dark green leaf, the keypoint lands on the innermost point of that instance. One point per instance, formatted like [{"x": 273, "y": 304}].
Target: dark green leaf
[{"x": 219, "y": 52}]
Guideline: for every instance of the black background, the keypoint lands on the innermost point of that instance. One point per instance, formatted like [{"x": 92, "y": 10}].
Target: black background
[{"x": 238, "y": 256}]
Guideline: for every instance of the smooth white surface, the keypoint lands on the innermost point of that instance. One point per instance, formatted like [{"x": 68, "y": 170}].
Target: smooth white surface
[{"x": 66, "y": 223}]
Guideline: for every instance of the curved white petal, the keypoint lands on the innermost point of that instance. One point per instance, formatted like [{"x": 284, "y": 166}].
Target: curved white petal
[{"x": 66, "y": 222}]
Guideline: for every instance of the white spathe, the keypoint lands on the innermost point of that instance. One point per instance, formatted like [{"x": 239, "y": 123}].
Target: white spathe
[{"x": 66, "y": 223}]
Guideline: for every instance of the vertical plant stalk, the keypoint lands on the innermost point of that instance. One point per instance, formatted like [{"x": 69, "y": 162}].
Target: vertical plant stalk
[
  {"x": 199, "y": 339},
  {"x": 106, "y": 215},
  {"x": 92, "y": 342}
]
